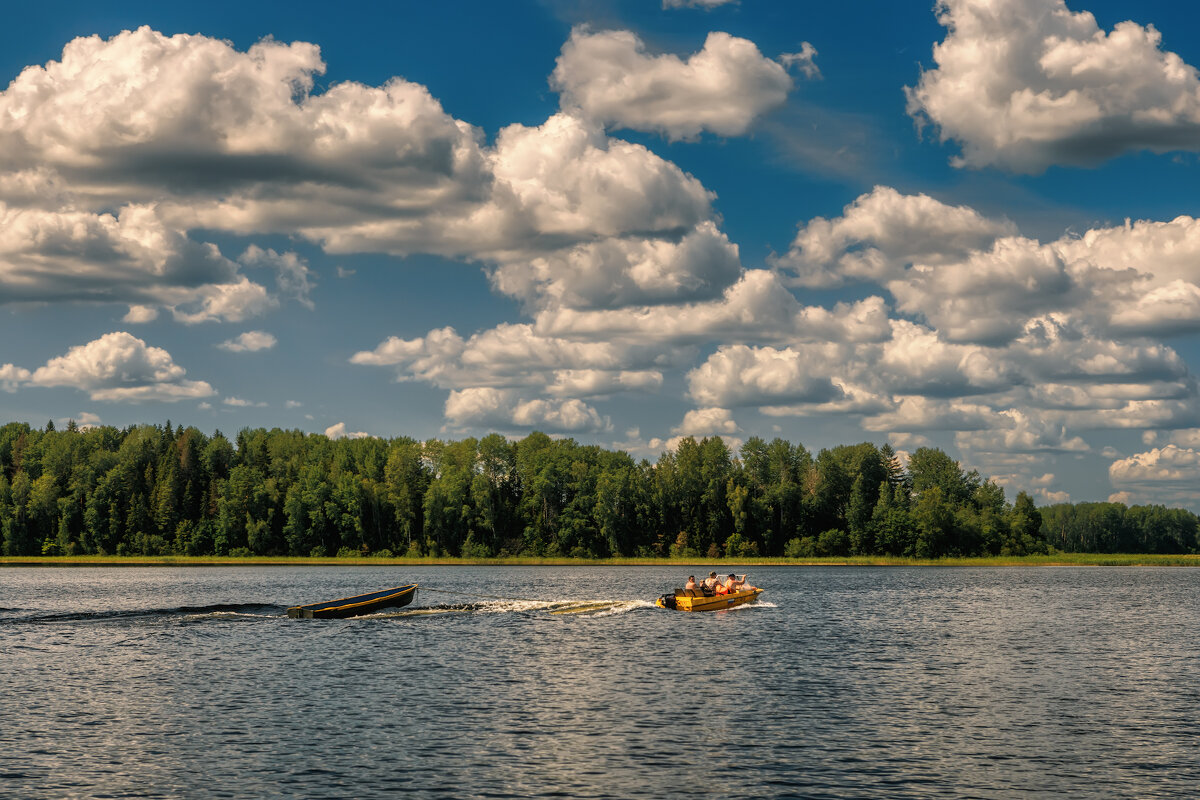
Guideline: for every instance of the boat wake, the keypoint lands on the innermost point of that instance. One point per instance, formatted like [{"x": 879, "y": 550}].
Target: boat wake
[
  {"x": 597, "y": 608},
  {"x": 219, "y": 609}
]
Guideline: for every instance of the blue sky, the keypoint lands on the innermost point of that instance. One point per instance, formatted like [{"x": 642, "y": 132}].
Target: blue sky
[{"x": 619, "y": 221}]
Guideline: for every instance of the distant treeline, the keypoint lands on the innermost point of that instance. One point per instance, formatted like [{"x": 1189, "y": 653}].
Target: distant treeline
[{"x": 157, "y": 490}]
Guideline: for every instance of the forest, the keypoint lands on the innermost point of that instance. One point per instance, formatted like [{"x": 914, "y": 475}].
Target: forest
[{"x": 162, "y": 490}]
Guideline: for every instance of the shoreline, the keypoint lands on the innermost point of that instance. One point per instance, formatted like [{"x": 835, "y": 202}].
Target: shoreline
[{"x": 1056, "y": 560}]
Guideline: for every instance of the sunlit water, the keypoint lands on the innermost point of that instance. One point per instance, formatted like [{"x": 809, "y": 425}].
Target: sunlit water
[{"x": 844, "y": 682}]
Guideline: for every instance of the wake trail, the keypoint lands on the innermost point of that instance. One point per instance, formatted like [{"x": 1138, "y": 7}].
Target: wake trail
[{"x": 217, "y": 609}]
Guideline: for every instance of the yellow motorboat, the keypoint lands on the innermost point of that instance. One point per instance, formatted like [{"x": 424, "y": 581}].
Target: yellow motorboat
[{"x": 694, "y": 600}]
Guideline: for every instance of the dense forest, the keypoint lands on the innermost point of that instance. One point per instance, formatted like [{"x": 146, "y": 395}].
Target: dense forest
[{"x": 156, "y": 490}]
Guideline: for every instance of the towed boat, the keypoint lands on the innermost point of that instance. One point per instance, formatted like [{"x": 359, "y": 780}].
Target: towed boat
[
  {"x": 695, "y": 600},
  {"x": 358, "y": 605}
]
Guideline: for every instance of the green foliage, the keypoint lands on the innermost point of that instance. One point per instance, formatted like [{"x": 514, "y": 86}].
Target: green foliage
[{"x": 162, "y": 491}]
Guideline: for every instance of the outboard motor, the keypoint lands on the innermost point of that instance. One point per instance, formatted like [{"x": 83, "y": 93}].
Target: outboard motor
[{"x": 667, "y": 601}]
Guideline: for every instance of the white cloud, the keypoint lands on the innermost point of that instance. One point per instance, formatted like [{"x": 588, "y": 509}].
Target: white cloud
[
  {"x": 919, "y": 414},
  {"x": 293, "y": 277},
  {"x": 229, "y": 302},
  {"x": 290, "y": 404},
  {"x": 756, "y": 308},
  {"x": 804, "y": 60},
  {"x": 1015, "y": 431},
  {"x": 881, "y": 233},
  {"x": 249, "y": 342},
  {"x": 707, "y": 421},
  {"x": 119, "y": 367},
  {"x": 129, "y": 257},
  {"x": 138, "y": 314},
  {"x": 916, "y": 361},
  {"x": 506, "y": 409},
  {"x": 338, "y": 431},
  {"x": 517, "y": 356},
  {"x": 236, "y": 142},
  {"x": 737, "y": 375},
  {"x": 609, "y": 77},
  {"x": 1025, "y": 84},
  {"x": 567, "y": 179},
  {"x": 238, "y": 402},
  {"x": 613, "y": 272},
  {"x": 12, "y": 376},
  {"x": 1166, "y": 475},
  {"x": 213, "y": 122}
]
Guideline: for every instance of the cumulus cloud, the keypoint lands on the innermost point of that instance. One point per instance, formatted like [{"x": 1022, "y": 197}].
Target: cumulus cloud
[
  {"x": 72, "y": 116},
  {"x": 618, "y": 272},
  {"x": 517, "y": 356},
  {"x": 1015, "y": 431},
  {"x": 505, "y": 409},
  {"x": 238, "y": 142},
  {"x": 757, "y": 308},
  {"x": 707, "y": 421},
  {"x": 738, "y": 375},
  {"x": 131, "y": 256},
  {"x": 1160, "y": 475},
  {"x": 12, "y": 376},
  {"x": 138, "y": 314},
  {"x": 119, "y": 367},
  {"x": 249, "y": 342},
  {"x": 917, "y": 414},
  {"x": 609, "y": 77},
  {"x": 338, "y": 431},
  {"x": 1025, "y": 84},
  {"x": 881, "y": 233},
  {"x": 978, "y": 280}
]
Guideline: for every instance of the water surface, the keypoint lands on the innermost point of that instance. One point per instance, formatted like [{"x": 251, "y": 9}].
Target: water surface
[{"x": 846, "y": 682}]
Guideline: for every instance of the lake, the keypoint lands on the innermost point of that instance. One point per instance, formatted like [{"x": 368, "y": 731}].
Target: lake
[{"x": 190, "y": 682}]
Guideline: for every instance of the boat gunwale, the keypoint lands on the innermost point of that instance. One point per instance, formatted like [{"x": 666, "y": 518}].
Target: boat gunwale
[
  {"x": 716, "y": 602},
  {"x": 373, "y": 598}
]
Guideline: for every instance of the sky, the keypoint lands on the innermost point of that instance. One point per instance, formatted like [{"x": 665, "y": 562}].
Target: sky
[{"x": 967, "y": 226}]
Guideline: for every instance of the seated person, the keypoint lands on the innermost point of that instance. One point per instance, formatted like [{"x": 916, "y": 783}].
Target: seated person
[
  {"x": 739, "y": 584},
  {"x": 710, "y": 584},
  {"x": 690, "y": 589}
]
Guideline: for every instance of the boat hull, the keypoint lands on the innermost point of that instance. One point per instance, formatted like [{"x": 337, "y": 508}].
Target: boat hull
[
  {"x": 396, "y": 597},
  {"x": 714, "y": 603}
]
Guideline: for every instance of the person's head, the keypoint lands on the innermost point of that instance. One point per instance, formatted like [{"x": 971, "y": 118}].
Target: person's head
[
  {"x": 692, "y": 578},
  {"x": 712, "y": 574},
  {"x": 732, "y": 577}
]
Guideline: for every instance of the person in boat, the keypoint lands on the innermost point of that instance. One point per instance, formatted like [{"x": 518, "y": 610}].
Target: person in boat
[
  {"x": 736, "y": 584},
  {"x": 690, "y": 586},
  {"x": 722, "y": 588},
  {"x": 709, "y": 587}
]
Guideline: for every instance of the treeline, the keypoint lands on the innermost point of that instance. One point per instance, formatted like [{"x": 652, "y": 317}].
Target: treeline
[
  {"x": 157, "y": 490},
  {"x": 1114, "y": 528}
]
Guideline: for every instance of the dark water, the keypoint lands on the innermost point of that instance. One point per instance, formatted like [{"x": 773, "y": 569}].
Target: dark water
[{"x": 847, "y": 682}]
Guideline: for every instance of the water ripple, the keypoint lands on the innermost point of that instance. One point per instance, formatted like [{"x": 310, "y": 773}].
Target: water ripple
[{"x": 898, "y": 683}]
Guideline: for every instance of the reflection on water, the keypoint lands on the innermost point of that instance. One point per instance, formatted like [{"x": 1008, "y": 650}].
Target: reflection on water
[{"x": 566, "y": 681}]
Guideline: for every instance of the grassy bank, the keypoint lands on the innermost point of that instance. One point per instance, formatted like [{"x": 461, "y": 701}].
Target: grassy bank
[{"x": 1055, "y": 560}]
